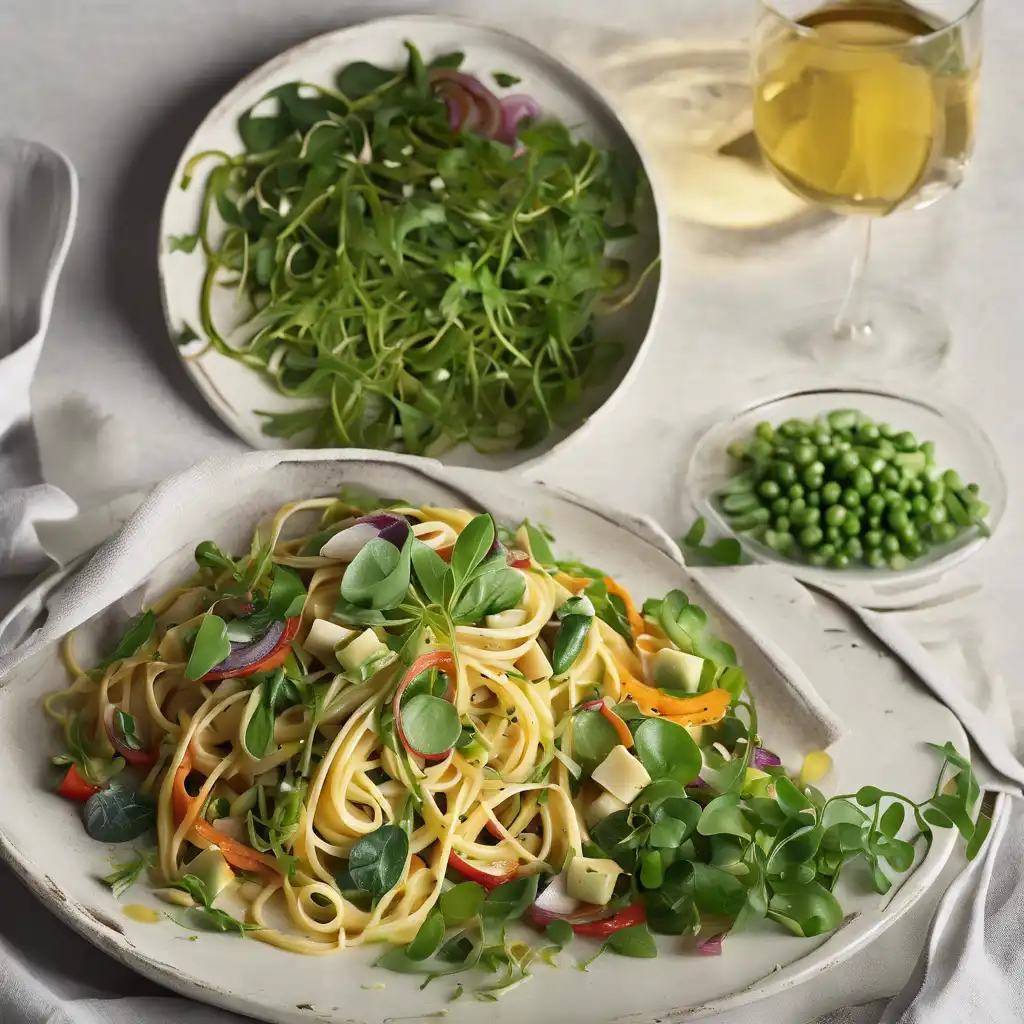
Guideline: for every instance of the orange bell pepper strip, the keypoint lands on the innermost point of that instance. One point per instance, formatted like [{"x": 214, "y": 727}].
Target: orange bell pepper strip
[
  {"x": 620, "y": 727},
  {"x": 636, "y": 622},
  {"x": 701, "y": 709},
  {"x": 243, "y": 857}
]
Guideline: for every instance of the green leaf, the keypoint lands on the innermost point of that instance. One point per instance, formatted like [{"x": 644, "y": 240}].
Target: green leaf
[
  {"x": 540, "y": 549},
  {"x": 182, "y": 243},
  {"x": 593, "y": 738},
  {"x": 790, "y": 799},
  {"x": 125, "y": 875},
  {"x": 717, "y": 892},
  {"x": 806, "y": 910},
  {"x": 462, "y": 902},
  {"x": 431, "y": 724},
  {"x": 560, "y": 933},
  {"x": 951, "y": 754},
  {"x": 210, "y": 647},
  {"x": 138, "y": 632},
  {"x": 472, "y": 546},
  {"x": 377, "y": 860},
  {"x": 952, "y": 808},
  {"x": 977, "y": 840},
  {"x": 428, "y": 939},
  {"x": 611, "y": 834},
  {"x": 360, "y": 78},
  {"x": 124, "y": 727},
  {"x": 667, "y": 751},
  {"x": 510, "y": 900},
  {"x": 430, "y": 569},
  {"x": 569, "y": 641},
  {"x": 610, "y": 608},
  {"x": 378, "y": 577},
  {"x": 723, "y": 816},
  {"x": 504, "y": 79},
  {"x": 209, "y": 556},
  {"x": 488, "y": 594},
  {"x": 636, "y": 941},
  {"x": 892, "y": 820},
  {"x": 259, "y": 733},
  {"x": 868, "y": 796},
  {"x": 119, "y": 815}
]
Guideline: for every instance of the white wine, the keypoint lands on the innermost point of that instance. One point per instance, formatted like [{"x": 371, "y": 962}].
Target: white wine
[{"x": 860, "y": 113}]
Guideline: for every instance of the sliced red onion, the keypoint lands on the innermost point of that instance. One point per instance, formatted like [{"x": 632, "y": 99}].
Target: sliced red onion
[
  {"x": 245, "y": 654},
  {"x": 513, "y": 110},
  {"x": 765, "y": 758},
  {"x": 711, "y": 946},
  {"x": 463, "y": 114},
  {"x": 347, "y": 543},
  {"x": 488, "y": 105},
  {"x": 697, "y": 783}
]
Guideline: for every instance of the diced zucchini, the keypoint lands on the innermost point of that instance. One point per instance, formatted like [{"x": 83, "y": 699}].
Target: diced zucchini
[
  {"x": 621, "y": 774},
  {"x": 324, "y": 638},
  {"x": 600, "y": 808},
  {"x": 592, "y": 879},
  {"x": 676, "y": 670},
  {"x": 364, "y": 647},
  {"x": 212, "y": 870}
]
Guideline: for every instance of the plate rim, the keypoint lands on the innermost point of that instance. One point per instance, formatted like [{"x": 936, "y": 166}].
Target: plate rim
[
  {"x": 108, "y": 937},
  {"x": 198, "y": 374}
]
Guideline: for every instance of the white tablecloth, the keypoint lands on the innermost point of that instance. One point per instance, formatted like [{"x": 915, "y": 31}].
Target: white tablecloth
[{"x": 119, "y": 87}]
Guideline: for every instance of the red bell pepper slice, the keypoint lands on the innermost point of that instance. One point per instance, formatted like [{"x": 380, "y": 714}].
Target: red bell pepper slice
[
  {"x": 74, "y": 787},
  {"x": 488, "y": 879},
  {"x": 600, "y": 929},
  {"x": 441, "y": 659}
]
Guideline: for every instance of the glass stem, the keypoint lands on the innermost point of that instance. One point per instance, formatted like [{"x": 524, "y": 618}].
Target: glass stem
[{"x": 849, "y": 323}]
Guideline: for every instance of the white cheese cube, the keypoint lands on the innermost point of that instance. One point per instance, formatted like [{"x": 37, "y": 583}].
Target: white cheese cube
[
  {"x": 676, "y": 670},
  {"x": 324, "y": 637},
  {"x": 360, "y": 650},
  {"x": 600, "y": 808},
  {"x": 621, "y": 774},
  {"x": 591, "y": 879}
]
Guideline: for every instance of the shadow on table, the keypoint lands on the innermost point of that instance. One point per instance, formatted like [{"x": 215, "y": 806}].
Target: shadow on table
[{"x": 131, "y": 240}]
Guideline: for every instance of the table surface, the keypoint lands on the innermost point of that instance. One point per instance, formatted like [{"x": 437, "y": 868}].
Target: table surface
[{"x": 120, "y": 87}]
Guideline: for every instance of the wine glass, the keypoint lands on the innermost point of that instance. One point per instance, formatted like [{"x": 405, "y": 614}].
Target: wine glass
[{"x": 866, "y": 107}]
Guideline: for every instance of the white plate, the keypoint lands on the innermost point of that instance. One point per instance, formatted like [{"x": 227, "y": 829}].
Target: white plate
[
  {"x": 233, "y": 390},
  {"x": 886, "y": 718}
]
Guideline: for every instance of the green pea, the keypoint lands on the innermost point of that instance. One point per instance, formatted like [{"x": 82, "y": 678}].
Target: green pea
[
  {"x": 737, "y": 504},
  {"x": 874, "y": 522},
  {"x": 944, "y": 532},
  {"x": 876, "y": 559},
  {"x": 937, "y": 515},
  {"x": 796, "y": 506},
  {"x": 780, "y": 506},
  {"x": 916, "y": 486},
  {"x": 875, "y": 504},
  {"x": 811, "y": 537},
  {"x": 805, "y": 454},
  {"x": 904, "y": 485},
  {"x": 852, "y": 526},
  {"x": 843, "y": 419},
  {"x": 768, "y": 489},
  {"x": 843, "y": 446},
  {"x": 840, "y": 560},
  {"x": 811, "y": 516},
  {"x": 835, "y": 515},
  {"x": 814, "y": 499},
  {"x": 847, "y": 463},
  {"x": 758, "y": 450},
  {"x": 873, "y": 539},
  {"x": 897, "y": 519},
  {"x": 890, "y": 544},
  {"x": 783, "y": 523},
  {"x": 851, "y": 498},
  {"x": 905, "y": 442},
  {"x": 890, "y": 476},
  {"x": 908, "y": 533},
  {"x": 817, "y": 467},
  {"x": 874, "y": 464},
  {"x": 821, "y": 437},
  {"x": 913, "y": 548},
  {"x": 928, "y": 447},
  {"x": 765, "y": 431},
  {"x": 935, "y": 489},
  {"x": 887, "y": 430},
  {"x": 785, "y": 473},
  {"x": 898, "y": 562},
  {"x": 893, "y": 499},
  {"x": 951, "y": 478},
  {"x": 828, "y": 453},
  {"x": 817, "y": 559},
  {"x": 833, "y": 533},
  {"x": 863, "y": 481},
  {"x": 827, "y": 550},
  {"x": 779, "y": 541},
  {"x": 831, "y": 493},
  {"x": 921, "y": 523},
  {"x": 867, "y": 433},
  {"x": 813, "y": 481},
  {"x": 921, "y": 504},
  {"x": 796, "y": 491},
  {"x": 886, "y": 449},
  {"x": 854, "y": 548}
]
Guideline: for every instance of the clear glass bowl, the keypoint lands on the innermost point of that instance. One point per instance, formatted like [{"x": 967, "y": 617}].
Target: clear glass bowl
[{"x": 960, "y": 444}]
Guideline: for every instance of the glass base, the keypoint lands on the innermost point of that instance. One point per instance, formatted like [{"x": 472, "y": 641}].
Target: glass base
[{"x": 892, "y": 333}]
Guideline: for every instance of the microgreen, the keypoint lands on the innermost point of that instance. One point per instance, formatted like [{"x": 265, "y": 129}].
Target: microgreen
[
  {"x": 137, "y": 633},
  {"x": 206, "y": 916},
  {"x": 126, "y": 874},
  {"x": 726, "y": 551},
  {"x": 426, "y": 287}
]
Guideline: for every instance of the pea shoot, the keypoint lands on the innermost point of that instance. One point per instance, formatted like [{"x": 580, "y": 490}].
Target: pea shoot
[{"x": 842, "y": 490}]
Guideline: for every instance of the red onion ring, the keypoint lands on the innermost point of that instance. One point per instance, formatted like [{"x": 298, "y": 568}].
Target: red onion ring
[
  {"x": 347, "y": 543},
  {"x": 765, "y": 759},
  {"x": 245, "y": 654},
  {"x": 513, "y": 110},
  {"x": 711, "y": 946},
  {"x": 487, "y": 104}
]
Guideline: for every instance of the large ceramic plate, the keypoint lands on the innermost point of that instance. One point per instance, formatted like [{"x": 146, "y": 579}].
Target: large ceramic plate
[
  {"x": 233, "y": 390},
  {"x": 885, "y": 718}
]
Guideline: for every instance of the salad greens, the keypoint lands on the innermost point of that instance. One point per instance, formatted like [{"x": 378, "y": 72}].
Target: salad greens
[{"x": 414, "y": 285}]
